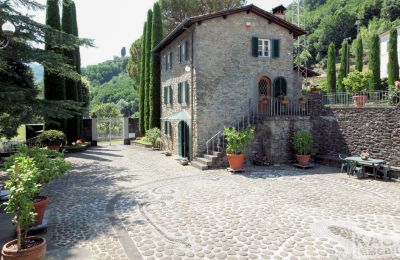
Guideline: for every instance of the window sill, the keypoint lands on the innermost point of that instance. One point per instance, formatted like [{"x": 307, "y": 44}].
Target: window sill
[{"x": 169, "y": 105}]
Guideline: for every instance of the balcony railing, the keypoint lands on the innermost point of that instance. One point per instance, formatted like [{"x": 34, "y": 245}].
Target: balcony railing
[
  {"x": 277, "y": 107},
  {"x": 360, "y": 99}
]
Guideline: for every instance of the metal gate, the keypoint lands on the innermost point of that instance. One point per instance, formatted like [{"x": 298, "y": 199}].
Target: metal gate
[{"x": 110, "y": 131}]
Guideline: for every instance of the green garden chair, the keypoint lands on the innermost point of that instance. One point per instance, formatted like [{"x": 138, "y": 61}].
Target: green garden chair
[
  {"x": 385, "y": 171},
  {"x": 356, "y": 170},
  {"x": 345, "y": 164}
]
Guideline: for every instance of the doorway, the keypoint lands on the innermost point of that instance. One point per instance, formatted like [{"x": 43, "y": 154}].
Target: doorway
[{"x": 183, "y": 140}]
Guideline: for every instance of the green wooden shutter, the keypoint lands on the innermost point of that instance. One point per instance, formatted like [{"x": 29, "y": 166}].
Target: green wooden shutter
[
  {"x": 165, "y": 127},
  {"x": 180, "y": 138},
  {"x": 170, "y": 60},
  {"x": 180, "y": 53},
  {"x": 275, "y": 48},
  {"x": 170, "y": 95},
  {"x": 187, "y": 92},
  {"x": 254, "y": 46},
  {"x": 186, "y": 46},
  {"x": 169, "y": 128},
  {"x": 165, "y": 96},
  {"x": 180, "y": 93}
]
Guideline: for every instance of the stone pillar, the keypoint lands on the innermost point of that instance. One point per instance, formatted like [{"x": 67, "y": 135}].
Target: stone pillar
[
  {"x": 94, "y": 131},
  {"x": 127, "y": 141}
]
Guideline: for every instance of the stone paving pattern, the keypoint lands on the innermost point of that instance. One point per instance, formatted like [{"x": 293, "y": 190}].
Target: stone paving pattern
[{"x": 131, "y": 203}]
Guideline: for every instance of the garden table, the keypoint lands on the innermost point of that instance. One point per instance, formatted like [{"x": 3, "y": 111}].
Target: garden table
[{"x": 374, "y": 163}]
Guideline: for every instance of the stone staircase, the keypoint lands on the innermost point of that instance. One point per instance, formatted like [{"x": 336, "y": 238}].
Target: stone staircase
[{"x": 209, "y": 161}]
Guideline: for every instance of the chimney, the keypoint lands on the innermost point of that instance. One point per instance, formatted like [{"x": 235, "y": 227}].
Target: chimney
[{"x": 279, "y": 11}]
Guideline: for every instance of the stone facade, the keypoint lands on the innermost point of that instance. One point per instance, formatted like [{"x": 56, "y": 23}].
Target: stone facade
[{"x": 224, "y": 75}]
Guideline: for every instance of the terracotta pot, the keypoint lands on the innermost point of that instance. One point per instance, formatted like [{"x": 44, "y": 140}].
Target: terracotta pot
[
  {"x": 284, "y": 101},
  {"x": 303, "y": 159},
  {"x": 34, "y": 253},
  {"x": 264, "y": 101},
  {"x": 302, "y": 101},
  {"x": 236, "y": 162},
  {"x": 359, "y": 101},
  {"x": 40, "y": 208}
]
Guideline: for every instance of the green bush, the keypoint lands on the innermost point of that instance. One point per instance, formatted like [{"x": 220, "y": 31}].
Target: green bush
[
  {"x": 238, "y": 141},
  {"x": 357, "y": 81},
  {"x": 152, "y": 135},
  {"x": 50, "y": 164},
  {"x": 302, "y": 142},
  {"x": 23, "y": 187},
  {"x": 51, "y": 137}
]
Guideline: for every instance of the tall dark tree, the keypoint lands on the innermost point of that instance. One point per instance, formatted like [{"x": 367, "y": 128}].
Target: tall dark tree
[
  {"x": 142, "y": 123},
  {"x": 393, "y": 65},
  {"x": 70, "y": 84},
  {"x": 391, "y": 9},
  {"x": 359, "y": 54},
  {"x": 54, "y": 85},
  {"x": 147, "y": 71},
  {"x": 374, "y": 63},
  {"x": 123, "y": 52},
  {"x": 135, "y": 62},
  {"x": 331, "y": 70},
  {"x": 344, "y": 66},
  {"x": 155, "y": 81}
]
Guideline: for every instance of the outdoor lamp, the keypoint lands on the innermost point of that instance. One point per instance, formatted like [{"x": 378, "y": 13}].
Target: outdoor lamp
[{"x": 8, "y": 30}]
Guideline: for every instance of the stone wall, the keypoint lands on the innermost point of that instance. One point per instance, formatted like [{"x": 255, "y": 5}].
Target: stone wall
[
  {"x": 274, "y": 137},
  {"x": 351, "y": 130}
]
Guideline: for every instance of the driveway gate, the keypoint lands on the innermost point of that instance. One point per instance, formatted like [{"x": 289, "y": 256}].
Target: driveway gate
[{"x": 110, "y": 131}]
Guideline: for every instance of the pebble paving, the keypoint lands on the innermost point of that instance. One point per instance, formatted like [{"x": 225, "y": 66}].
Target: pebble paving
[{"x": 131, "y": 203}]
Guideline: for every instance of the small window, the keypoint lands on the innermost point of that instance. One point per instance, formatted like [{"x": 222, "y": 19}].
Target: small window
[
  {"x": 186, "y": 51},
  {"x": 183, "y": 93},
  {"x": 264, "y": 48},
  {"x": 180, "y": 53},
  {"x": 168, "y": 96},
  {"x": 167, "y": 128},
  {"x": 168, "y": 61}
]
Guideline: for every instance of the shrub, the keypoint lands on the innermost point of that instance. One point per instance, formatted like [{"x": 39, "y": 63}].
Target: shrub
[
  {"x": 152, "y": 135},
  {"x": 23, "y": 187},
  {"x": 51, "y": 137},
  {"x": 302, "y": 142},
  {"x": 357, "y": 81},
  {"x": 238, "y": 141},
  {"x": 50, "y": 164}
]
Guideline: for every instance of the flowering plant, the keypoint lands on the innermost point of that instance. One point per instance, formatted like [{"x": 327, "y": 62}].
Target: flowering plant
[
  {"x": 397, "y": 84},
  {"x": 364, "y": 155},
  {"x": 394, "y": 93}
]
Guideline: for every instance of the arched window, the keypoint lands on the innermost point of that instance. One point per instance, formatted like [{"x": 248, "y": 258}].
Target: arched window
[
  {"x": 280, "y": 87},
  {"x": 264, "y": 87}
]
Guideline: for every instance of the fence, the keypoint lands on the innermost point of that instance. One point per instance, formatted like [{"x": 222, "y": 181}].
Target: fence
[
  {"x": 360, "y": 99},
  {"x": 277, "y": 107}
]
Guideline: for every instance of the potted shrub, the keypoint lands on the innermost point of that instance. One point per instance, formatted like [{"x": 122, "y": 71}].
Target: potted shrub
[
  {"x": 237, "y": 143},
  {"x": 358, "y": 83},
  {"x": 23, "y": 187},
  {"x": 152, "y": 135},
  {"x": 50, "y": 165},
  {"x": 302, "y": 142},
  {"x": 284, "y": 100},
  {"x": 264, "y": 100},
  {"x": 52, "y": 139},
  {"x": 302, "y": 100}
]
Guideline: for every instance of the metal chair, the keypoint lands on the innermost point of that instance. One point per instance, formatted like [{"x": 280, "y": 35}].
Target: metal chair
[
  {"x": 353, "y": 169},
  {"x": 345, "y": 164},
  {"x": 385, "y": 170}
]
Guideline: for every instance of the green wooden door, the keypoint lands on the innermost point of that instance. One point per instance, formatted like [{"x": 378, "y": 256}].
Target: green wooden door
[{"x": 183, "y": 139}]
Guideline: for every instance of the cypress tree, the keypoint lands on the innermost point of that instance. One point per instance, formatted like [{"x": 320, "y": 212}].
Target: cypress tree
[
  {"x": 70, "y": 84},
  {"x": 147, "y": 70},
  {"x": 359, "y": 54},
  {"x": 331, "y": 70},
  {"x": 374, "y": 64},
  {"x": 54, "y": 88},
  {"x": 142, "y": 127},
  {"x": 344, "y": 66},
  {"x": 155, "y": 81},
  {"x": 75, "y": 32},
  {"x": 393, "y": 65}
]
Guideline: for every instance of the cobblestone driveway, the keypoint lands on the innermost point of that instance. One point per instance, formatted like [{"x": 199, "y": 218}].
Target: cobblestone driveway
[{"x": 131, "y": 203}]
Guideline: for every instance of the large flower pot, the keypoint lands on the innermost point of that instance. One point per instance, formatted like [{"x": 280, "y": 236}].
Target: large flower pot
[
  {"x": 284, "y": 101},
  {"x": 36, "y": 252},
  {"x": 40, "y": 204},
  {"x": 236, "y": 162},
  {"x": 359, "y": 101},
  {"x": 303, "y": 159}
]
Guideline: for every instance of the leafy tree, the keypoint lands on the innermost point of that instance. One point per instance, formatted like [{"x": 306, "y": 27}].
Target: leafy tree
[
  {"x": 331, "y": 70},
  {"x": 359, "y": 54},
  {"x": 135, "y": 61},
  {"x": 374, "y": 62},
  {"x": 155, "y": 72},
  {"x": 393, "y": 65},
  {"x": 344, "y": 65},
  {"x": 106, "y": 110},
  {"x": 123, "y": 52},
  {"x": 391, "y": 9},
  {"x": 142, "y": 124},
  {"x": 358, "y": 81},
  {"x": 103, "y": 72},
  {"x": 175, "y": 11},
  {"x": 124, "y": 107},
  {"x": 312, "y": 4},
  {"x": 148, "y": 54}
]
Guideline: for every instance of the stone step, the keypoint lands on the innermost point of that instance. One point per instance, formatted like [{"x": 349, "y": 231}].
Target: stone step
[
  {"x": 204, "y": 161},
  {"x": 219, "y": 154},
  {"x": 199, "y": 165},
  {"x": 212, "y": 158}
]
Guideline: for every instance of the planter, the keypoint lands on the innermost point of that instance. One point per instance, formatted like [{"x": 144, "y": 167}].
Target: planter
[
  {"x": 264, "y": 102},
  {"x": 284, "y": 101},
  {"x": 40, "y": 208},
  {"x": 236, "y": 162},
  {"x": 302, "y": 102},
  {"x": 359, "y": 101},
  {"x": 303, "y": 159},
  {"x": 36, "y": 252}
]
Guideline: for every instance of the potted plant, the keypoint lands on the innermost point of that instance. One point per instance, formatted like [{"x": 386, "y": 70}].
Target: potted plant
[
  {"x": 152, "y": 135},
  {"x": 302, "y": 100},
  {"x": 364, "y": 155},
  {"x": 302, "y": 142},
  {"x": 52, "y": 139},
  {"x": 50, "y": 165},
  {"x": 237, "y": 143},
  {"x": 314, "y": 89},
  {"x": 284, "y": 100},
  {"x": 358, "y": 82},
  {"x": 23, "y": 187},
  {"x": 264, "y": 100}
]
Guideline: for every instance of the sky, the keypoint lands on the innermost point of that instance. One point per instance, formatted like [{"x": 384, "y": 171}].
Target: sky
[{"x": 114, "y": 24}]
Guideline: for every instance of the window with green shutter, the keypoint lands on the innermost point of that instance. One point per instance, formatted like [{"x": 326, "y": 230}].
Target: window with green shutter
[
  {"x": 180, "y": 53},
  {"x": 186, "y": 50},
  {"x": 187, "y": 92},
  {"x": 275, "y": 48},
  {"x": 170, "y": 95},
  {"x": 180, "y": 93},
  {"x": 166, "y": 127},
  {"x": 165, "y": 95},
  {"x": 254, "y": 46}
]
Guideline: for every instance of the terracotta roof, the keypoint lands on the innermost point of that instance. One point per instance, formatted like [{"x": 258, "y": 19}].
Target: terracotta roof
[{"x": 297, "y": 31}]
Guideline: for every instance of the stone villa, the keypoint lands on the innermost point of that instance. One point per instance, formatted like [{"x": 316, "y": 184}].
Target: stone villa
[{"x": 217, "y": 67}]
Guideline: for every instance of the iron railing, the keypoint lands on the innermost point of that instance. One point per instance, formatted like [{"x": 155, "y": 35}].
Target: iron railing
[
  {"x": 271, "y": 107},
  {"x": 359, "y": 99}
]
